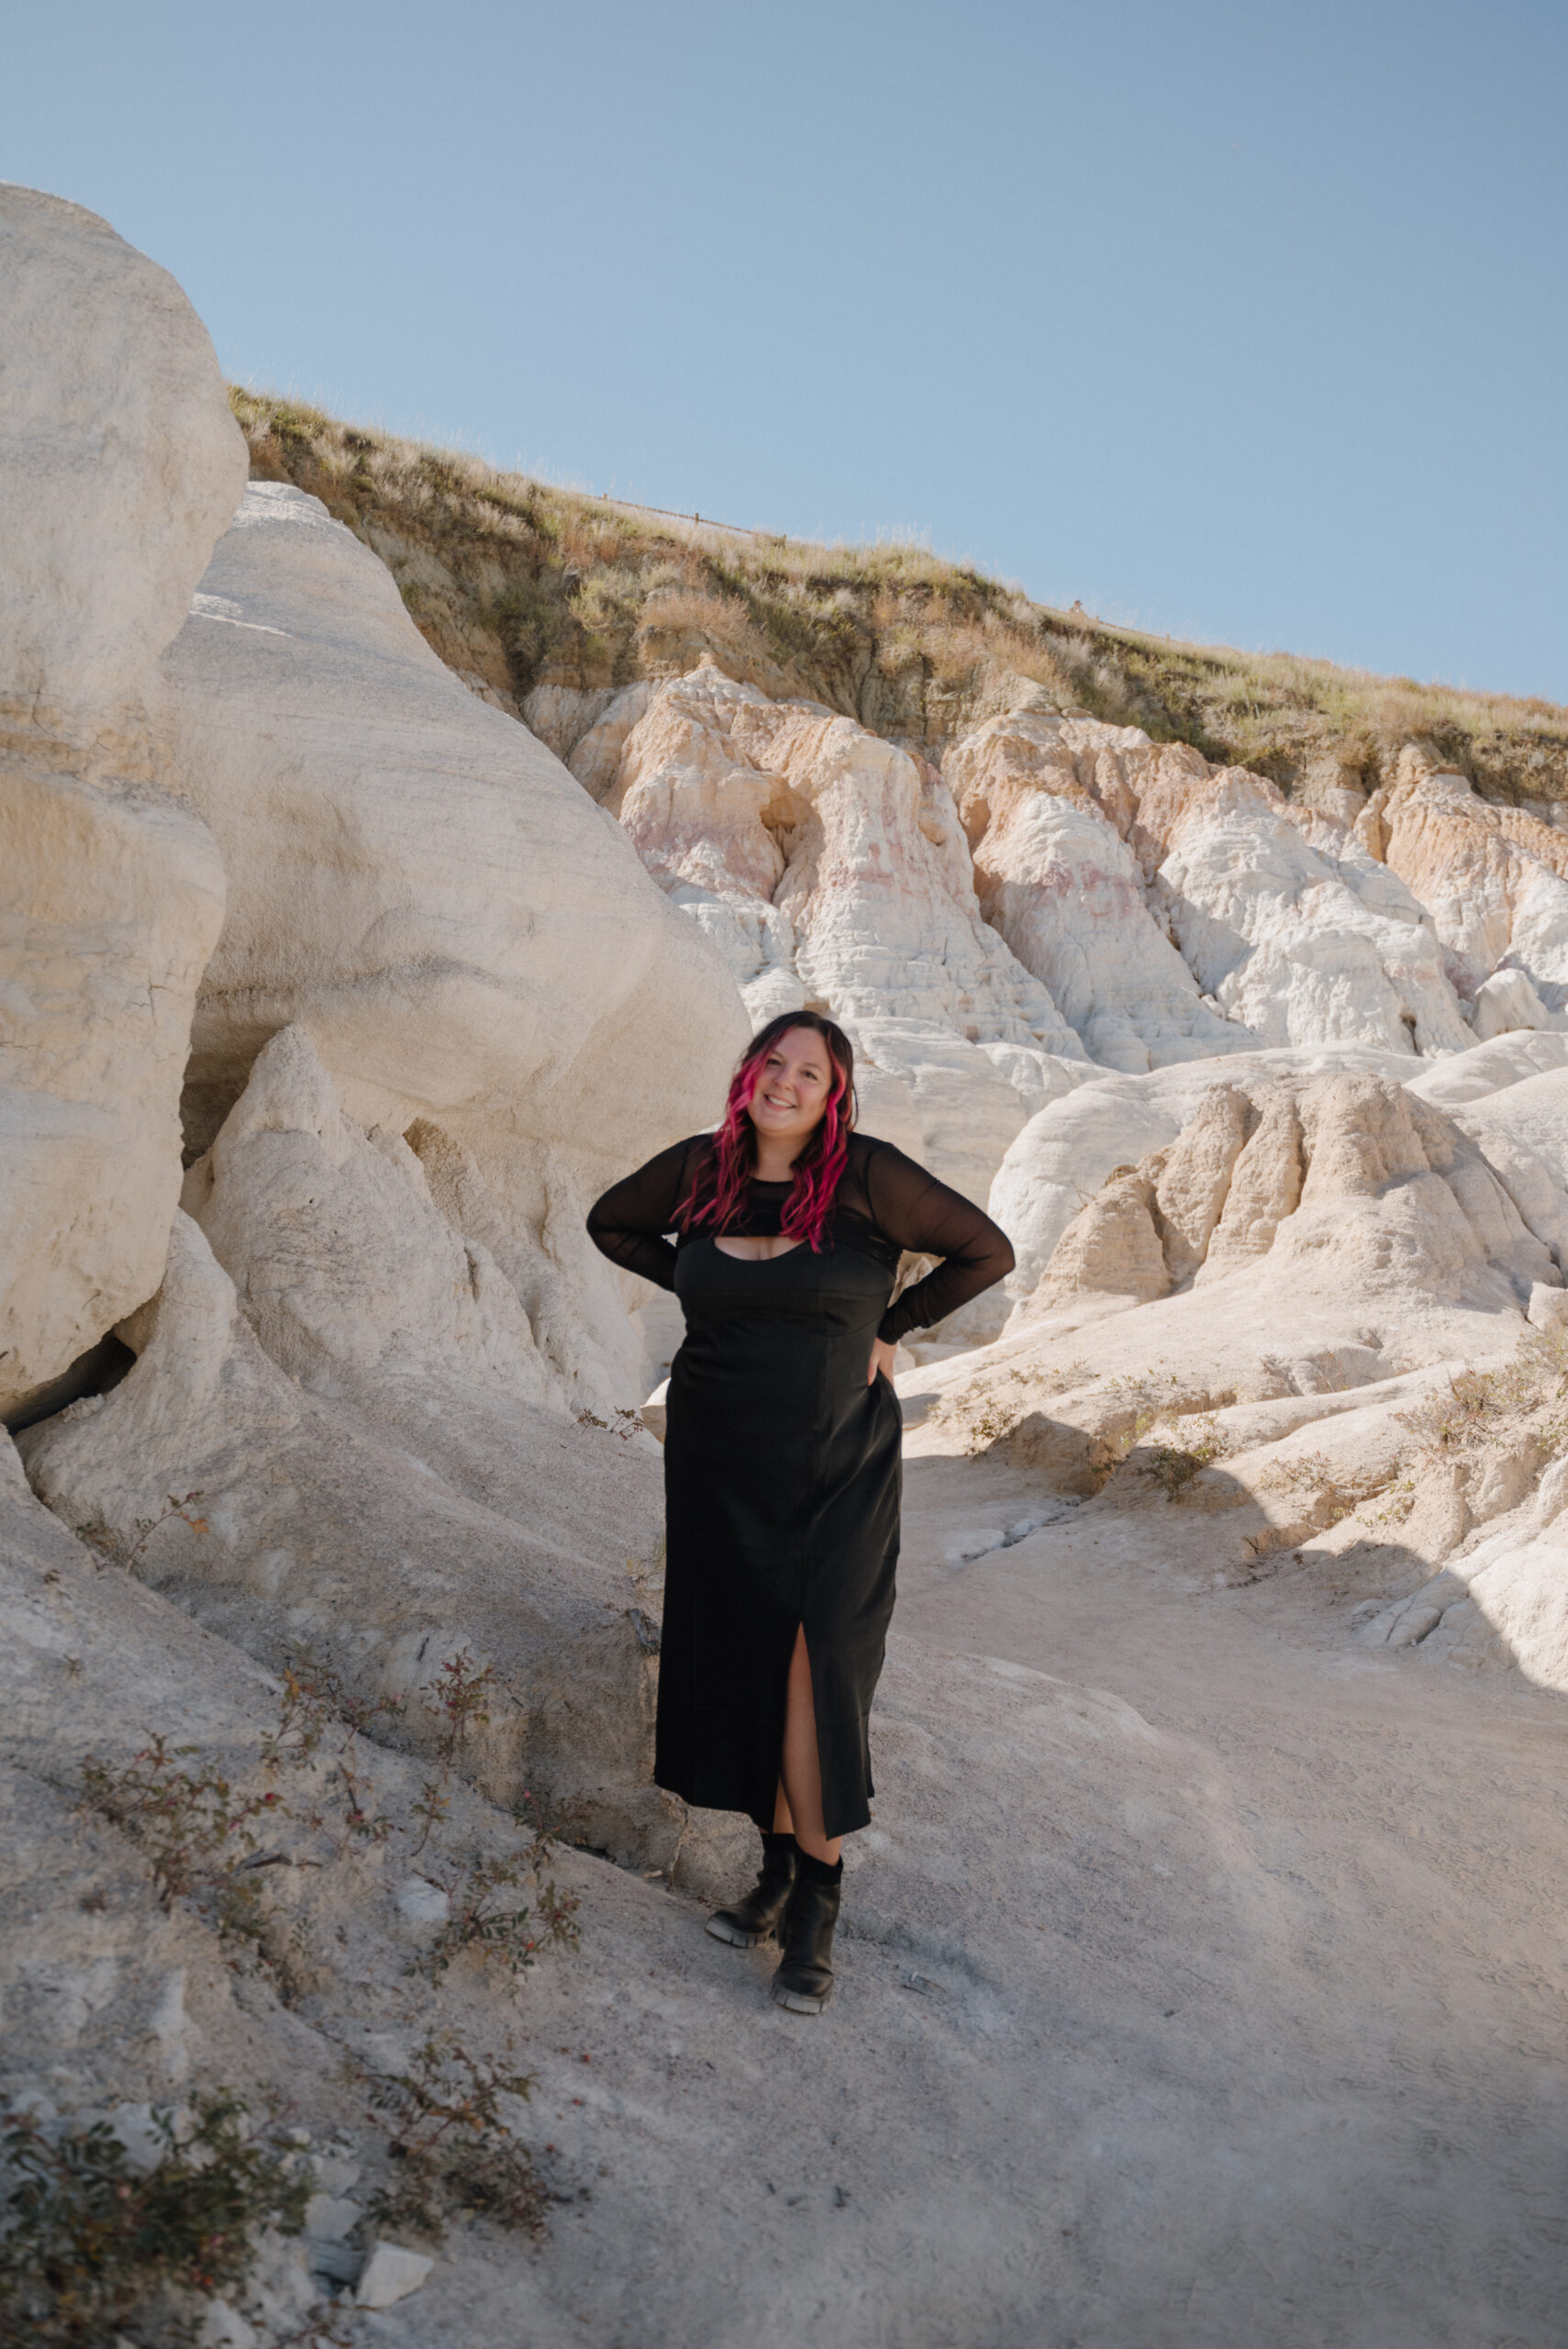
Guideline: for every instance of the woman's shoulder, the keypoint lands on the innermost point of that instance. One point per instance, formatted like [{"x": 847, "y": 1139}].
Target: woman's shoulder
[
  {"x": 864, "y": 1147},
  {"x": 683, "y": 1154}
]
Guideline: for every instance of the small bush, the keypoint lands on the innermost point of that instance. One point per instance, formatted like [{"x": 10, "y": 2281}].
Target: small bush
[
  {"x": 450, "y": 2146},
  {"x": 317, "y": 1718},
  {"x": 460, "y": 1698},
  {"x": 480, "y": 1920},
  {"x": 193, "y": 1829},
  {"x": 96, "y": 2245},
  {"x": 994, "y": 1423},
  {"x": 1459, "y": 1418},
  {"x": 1174, "y": 1466},
  {"x": 111, "y": 1546}
]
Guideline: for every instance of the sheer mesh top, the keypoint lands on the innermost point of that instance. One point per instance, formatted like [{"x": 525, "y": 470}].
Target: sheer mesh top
[{"x": 884, "y": 1205}]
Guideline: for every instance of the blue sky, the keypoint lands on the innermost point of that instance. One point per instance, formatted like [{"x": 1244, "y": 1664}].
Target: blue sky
[{"x": 1247, "y": 323}]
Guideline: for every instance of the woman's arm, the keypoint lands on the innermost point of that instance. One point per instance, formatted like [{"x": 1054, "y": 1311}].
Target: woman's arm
[
  {"x": 920, "y": 1214},
  {"x": 628, "y": 1223}
]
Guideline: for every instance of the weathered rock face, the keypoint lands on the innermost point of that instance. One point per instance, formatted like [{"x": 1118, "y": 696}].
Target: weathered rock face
[
  {"x": 1352, "y": 1166},
  {"x": 1303, "y": 1317},
  {"x": 1522, "y": 1130},
  {"x": 119, "y": 465},
  {"x": 1493, "y": 879},
  {"x": 1061, "y": 1158},
  {"x": 411, "y": 1516},
  {"x": 1296, "y": 933},
  {"x": 829, "y": 868},
  {"x": 1170, "y": 911},
  {"x": 418, "y": 882},
  {"x": 1153, "y": 893},
  {"x": 351, "y": 1277},
  {"x": 365, "y": 1419},
  {"x": 1042, "y": 798}
]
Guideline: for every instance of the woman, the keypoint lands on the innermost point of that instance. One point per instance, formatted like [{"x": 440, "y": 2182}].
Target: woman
[{"x": 781, "y": 1457}]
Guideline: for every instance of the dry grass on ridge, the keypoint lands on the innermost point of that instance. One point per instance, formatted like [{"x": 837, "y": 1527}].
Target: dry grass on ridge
[{"x": 518, "y": 584}]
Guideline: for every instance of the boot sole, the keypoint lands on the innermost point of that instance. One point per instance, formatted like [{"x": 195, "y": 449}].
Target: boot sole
[
  {"x": 735, "y": 1936},
  {"x": 800, "y": 2002}
]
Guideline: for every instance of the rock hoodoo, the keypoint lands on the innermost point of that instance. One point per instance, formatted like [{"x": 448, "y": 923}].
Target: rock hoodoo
[{"x": 119, "y": 466}]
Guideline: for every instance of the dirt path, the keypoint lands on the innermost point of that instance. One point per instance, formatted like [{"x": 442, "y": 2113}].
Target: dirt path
[{"x": 1203, "y": 1984}]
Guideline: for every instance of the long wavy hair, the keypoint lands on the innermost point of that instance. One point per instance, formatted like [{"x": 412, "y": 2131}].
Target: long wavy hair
[{"x": 721, "y": 1190}]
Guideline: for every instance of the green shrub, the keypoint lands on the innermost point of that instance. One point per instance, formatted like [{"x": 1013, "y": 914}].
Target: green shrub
[
  {"x": 95, "y": 2247},
  {"x": 449, "y": 2145}
]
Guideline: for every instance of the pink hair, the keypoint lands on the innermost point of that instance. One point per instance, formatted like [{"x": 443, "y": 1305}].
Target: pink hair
[{"x": 820, "y": 1165}]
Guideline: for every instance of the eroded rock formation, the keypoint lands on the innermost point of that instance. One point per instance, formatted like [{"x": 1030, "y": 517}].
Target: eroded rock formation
[
  {"x": 1270, "y": 1094},
  {"x": 413, "y": 877},
  {"x": 829, "y": 867},
  {"x": 119, "y": 465}
]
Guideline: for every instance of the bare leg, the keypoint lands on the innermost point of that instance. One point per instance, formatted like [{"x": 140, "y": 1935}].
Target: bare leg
[{"x": 800, "y": 1772}]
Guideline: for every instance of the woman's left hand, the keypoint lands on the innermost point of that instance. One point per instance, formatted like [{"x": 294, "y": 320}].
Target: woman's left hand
[{"x": 881, "y": 1359}]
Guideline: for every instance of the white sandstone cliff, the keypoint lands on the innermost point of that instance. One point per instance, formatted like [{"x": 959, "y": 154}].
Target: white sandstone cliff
[
  {"x": 119, "y": 465},
  {"x": 472, "y": 946}
]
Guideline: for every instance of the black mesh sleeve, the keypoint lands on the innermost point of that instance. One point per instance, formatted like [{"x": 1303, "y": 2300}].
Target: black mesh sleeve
[
  {"x": 628, "y": 1224},
  {"x": 921, "y": 1215}
]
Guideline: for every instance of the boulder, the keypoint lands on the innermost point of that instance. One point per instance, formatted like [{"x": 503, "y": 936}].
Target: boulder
[
  {"x": 418, "y": 882},
  {"x": 119, "y": 466},
  {"x": 1522, "y": 1132},
  {"x": 1507, "y": 1001},
  {"x": 1112, "y": 1247},
  {"x": 350, "y": 1274}
]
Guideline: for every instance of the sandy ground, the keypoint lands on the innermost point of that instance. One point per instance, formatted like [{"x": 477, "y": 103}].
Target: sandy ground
[{"x": 1202, "y": 1981}]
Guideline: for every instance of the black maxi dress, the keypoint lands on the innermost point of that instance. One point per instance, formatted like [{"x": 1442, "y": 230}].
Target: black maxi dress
[{"x": 781, "y": 1469}]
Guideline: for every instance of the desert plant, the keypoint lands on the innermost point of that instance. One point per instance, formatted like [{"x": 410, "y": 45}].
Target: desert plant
[
  {"x": 189, "y": 1821},
  {"x": 1174, "y": 1466},
  {"x": 450, "y": 2147},
  {"x": 95, "y": 2247},
  {"x": 460, "y": 1698},
  {"x": 319, "y": 1717},
  {"x": 1459, "y": 1416},
  {"x": 110, "y": 1545},
  {"x": 625, "y": 1422},
  {"x": 480, "y": 1919}
]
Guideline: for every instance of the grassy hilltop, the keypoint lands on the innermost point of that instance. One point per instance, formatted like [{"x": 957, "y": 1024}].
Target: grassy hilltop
[{"x": 518, "y": 585}]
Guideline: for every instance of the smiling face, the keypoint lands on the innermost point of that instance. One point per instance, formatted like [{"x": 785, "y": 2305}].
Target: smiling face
[{"x": 794, "y": 1089}]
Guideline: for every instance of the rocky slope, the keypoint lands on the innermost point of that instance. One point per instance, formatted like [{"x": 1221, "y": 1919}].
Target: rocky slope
[{"x": 1213, "y": 1838}]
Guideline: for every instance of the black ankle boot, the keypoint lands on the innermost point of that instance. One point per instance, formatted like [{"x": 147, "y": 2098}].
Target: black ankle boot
[
  {"x": 755, "y": 1919},
  {"x": 804, "y": 1982}
]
